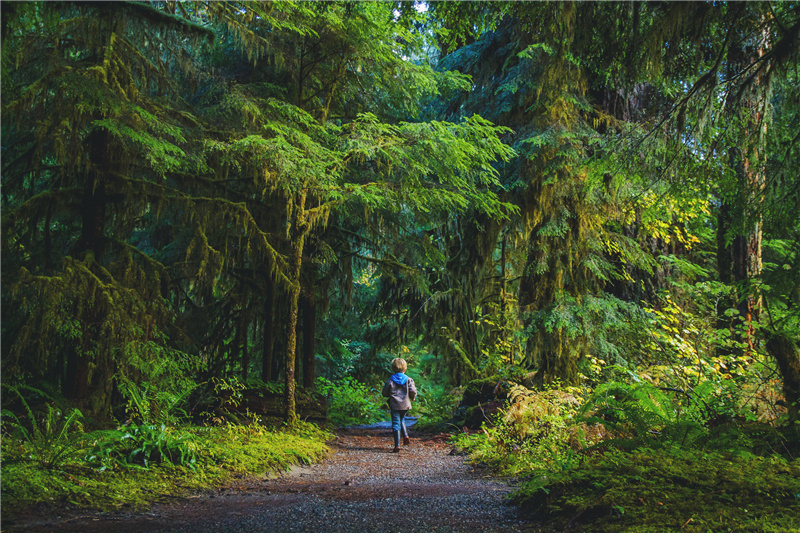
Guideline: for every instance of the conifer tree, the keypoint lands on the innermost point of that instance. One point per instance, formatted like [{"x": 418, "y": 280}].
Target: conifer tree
[
  {"x": 93, "y": 125},
  {"x": 311, "y": 153},
  {"x": 563, "y": 86},
  {"x": 105, "y": 183}
]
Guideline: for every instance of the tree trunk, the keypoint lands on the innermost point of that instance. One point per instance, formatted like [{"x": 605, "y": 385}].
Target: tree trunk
[
  {"x": 309, "y": 332},
  {"x": 245, "y": 353},
  {"x": 269, "y": 332},
  {"x": 298, "y": 360},
  {"x": 76, "y": 377},
  {"x": 725, "y": 272},
  {"x": 787, "y": 355},
  {"x": 504, "y": 300},
  {"x": 299, "y": 232},
  {"x": 724, "y": 252},
  {"x": 93, "y": 208},
  {"x": 77, "y": 385},
  {"x": 746, "y": 263}
]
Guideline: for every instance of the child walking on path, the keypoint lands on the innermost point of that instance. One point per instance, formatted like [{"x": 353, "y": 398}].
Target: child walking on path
[{"x": 400, "y": 390}]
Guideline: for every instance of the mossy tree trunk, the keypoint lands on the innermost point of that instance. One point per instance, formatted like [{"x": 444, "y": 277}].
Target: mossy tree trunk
[
  {"x": 95, "y": 200},
  {"x": 309, "y": 333},
  {"x": 743, "y": 256},
  {"x": 299, "y": 231},
  {"x": 269, "y": 332},
  {"x": 83, "y": 383},
  {"x": 787, "y": 355},
  {"x": 245, "y": 350}
]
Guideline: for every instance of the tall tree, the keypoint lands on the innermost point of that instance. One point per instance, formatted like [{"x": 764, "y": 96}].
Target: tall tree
[
  {"x": 93, "y": 126},
  {"x": 545, "y": 71}
]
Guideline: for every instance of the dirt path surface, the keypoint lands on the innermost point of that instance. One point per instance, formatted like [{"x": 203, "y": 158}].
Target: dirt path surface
[{"x": 362, "y": 487}]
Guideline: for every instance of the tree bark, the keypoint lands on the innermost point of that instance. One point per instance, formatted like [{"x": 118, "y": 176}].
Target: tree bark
[
  {"x": 299, "y": 231},
  {"x": 77, "y": 385},
  {"x": 724, "y": 252},
  {"x": 746, "y": 248},
  {"x": 309, "y": 333},
  {"x": 269, "y": 332},
  {"x": 93, "y": 208},
  {"x": 298, "y": 360},
  {"x": 786, "y": 353},
  {"x": 245, "y": 353}
]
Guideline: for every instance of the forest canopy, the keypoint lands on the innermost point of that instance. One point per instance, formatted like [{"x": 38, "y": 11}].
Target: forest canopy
[{"x": 282, "y": 191}]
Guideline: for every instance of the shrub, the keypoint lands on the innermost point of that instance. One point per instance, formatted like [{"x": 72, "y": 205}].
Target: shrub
[
  {"x": 351, "y": 402},
  {"x": 435, "y": 405},
  {"x": 49, "y": 439},
  {"x": 146, "y": 405},
  {"x": 536, "y": 433},
  {"x": 144, "y": 445},
  {"x": 668, "y": 489}
]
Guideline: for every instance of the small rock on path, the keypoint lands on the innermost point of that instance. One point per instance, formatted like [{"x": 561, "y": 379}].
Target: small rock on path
[{"x": 362, "y": 487}]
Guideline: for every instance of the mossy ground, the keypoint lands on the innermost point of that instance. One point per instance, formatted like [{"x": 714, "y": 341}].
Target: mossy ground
[
  {"x": 670, "y": 490},
  {"x": 222, "y": 454}
]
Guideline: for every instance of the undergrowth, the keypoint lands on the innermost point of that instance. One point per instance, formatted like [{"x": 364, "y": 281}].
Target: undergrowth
[
  {"x": 669, "y": 489},
  {"x": 536, "y": 433},
  {"x": 106, "y": 472},
  {"x": 435, "y": 405},
  {"x": 351, "y": 402},
  {"x": 647, "y": 457}
]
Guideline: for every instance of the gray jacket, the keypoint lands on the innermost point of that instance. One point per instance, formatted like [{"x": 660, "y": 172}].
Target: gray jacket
[{"x": 400, "y": 396}]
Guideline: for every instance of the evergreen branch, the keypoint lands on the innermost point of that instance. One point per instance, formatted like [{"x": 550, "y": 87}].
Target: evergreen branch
[
  {"x": 241, "y": 208},
  {"x": 276, "y": 257},
  {"x": 40, "y": 201},
  {"x": 394, "y": 263},
  {"x": 157, "y": 265},
  {"x": 146, "y": 11}
]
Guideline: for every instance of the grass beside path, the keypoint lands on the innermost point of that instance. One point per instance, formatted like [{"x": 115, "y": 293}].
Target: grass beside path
[{"x": 107, "y": 478}]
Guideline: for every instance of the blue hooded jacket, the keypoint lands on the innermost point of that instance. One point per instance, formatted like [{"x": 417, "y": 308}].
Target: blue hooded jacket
[{"x": 399, "y": 378}]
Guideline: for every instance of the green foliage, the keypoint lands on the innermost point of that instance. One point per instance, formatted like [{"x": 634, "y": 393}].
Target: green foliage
[
  {"x": 669, "y": 489},
  {"x": 568, "y": 205},
  {"x": 50, "y": 438},
  {"x": 107, "y": 480},
  {"x": 536, "y": 434},
  {"x": 145, "y": 444},
  {"x": 351, "y": 402},
  {"x": 435, "y": 405},
  {"x": 146, "y": 406},
  {"x": 635, "y": 454},
  {"x": 643, "y": 414},
  {"x": 344, "y": 357}
]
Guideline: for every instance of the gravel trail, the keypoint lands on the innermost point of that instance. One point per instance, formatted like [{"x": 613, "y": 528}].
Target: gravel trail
[{"x": 362, "y": 487}]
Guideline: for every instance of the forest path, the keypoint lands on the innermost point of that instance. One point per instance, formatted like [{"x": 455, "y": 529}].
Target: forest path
[{"x": 362, "y": 487}]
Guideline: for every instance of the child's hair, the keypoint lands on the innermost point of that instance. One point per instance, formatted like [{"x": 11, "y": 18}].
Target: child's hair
[{"x": 399, "y": 365}]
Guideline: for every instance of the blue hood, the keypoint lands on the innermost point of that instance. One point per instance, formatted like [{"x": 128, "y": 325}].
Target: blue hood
[{"x": 399, "y": 378}]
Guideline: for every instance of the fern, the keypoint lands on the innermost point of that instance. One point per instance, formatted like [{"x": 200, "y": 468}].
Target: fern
[
  {"x": 52, "y": 438},
  {"x": 643, "y": 414}
]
